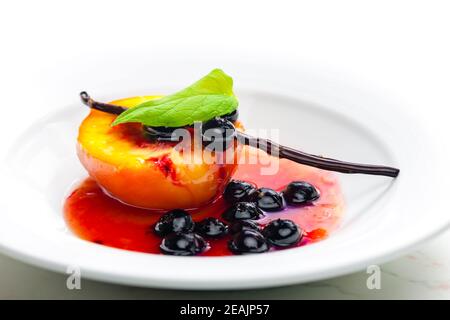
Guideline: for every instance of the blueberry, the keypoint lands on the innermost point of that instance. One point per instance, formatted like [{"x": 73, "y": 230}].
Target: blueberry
[
  {"x": 242, "y": 211},
  {"x": 218, "y": 134},
  {"x": 240, "y": 225},
  {"x": 183, "y": 244},
  {"x": 282, "y": 233},
  {"x": 268, "y": 199},
  {"x": 300, "y": 192},
  {"x": 248, "y": 241},
  {"x": 232, "y": 116},
  {"x": 211, "y": 227},
  {"x": 238, "y": 191},
  {"x": 176, "y": 220}
]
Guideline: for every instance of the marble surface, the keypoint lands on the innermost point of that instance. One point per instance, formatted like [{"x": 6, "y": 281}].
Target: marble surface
[{"x": 422, "y": 274}]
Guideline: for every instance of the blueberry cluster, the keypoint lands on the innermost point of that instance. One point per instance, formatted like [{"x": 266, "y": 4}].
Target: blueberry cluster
[
  {"x": 249, "y": 203},
  {"x": 296, "y": 193},
  {"x": 182, "y": 237},
  {"x": 176, "y": 227},
  {"x": 217, "y": 133}
]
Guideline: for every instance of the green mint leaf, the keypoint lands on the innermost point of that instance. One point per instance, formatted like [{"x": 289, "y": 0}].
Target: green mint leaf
[{"x": 209, "y": 97}]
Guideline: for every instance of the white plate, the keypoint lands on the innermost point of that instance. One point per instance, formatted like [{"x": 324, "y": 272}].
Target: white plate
[{"x": 384, "y": 217}]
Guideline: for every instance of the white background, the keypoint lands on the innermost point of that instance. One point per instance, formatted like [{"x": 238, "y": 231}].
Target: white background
[{"x": 401, "y": 47}]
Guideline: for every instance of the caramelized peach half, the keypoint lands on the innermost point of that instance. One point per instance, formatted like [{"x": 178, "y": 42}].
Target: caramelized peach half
[{"x": 146, "y": 173}]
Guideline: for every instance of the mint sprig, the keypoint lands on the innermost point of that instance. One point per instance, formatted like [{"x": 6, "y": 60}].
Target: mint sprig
[{"x": 209, "y": 97}]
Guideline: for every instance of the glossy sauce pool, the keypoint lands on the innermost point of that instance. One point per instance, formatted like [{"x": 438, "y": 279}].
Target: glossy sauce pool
[{"x": 94, "y": 216}]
